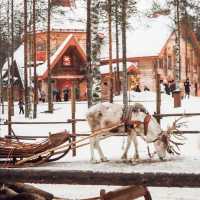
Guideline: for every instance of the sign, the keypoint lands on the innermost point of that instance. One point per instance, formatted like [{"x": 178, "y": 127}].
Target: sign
[{"x": 66, "y": 61}]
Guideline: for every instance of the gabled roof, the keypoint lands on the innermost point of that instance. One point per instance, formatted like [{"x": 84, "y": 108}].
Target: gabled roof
[
  {"x": 68, "y": 42},
  {"x": 19, "y": 60}
]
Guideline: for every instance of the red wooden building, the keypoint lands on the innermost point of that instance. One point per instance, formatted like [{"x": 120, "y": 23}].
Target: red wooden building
[{"x": 67, "y": 64}]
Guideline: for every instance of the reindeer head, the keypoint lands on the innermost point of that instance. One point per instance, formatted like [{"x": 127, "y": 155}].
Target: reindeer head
[
  {"x": 175, "y": 136},
  {"x": 170, "y": 140}
]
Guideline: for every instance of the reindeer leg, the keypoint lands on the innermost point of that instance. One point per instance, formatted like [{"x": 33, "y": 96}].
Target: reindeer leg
[
  {"x": 129, "y": 139},
  {"x": 102, "y": 157},
  {"x": 92, "y": 147},
  {"x": 136, "y": 154}
]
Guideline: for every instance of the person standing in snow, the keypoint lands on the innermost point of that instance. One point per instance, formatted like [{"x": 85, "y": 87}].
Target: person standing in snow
[
  {"x": 167, "y": 88},
  {"x": 172, "y": 86},
  {"x": 162, "y": 87},
  {"x": 21, "y": 106},
  {"x": 187, "y": 86},
  {"x": 137, "y": 89}
]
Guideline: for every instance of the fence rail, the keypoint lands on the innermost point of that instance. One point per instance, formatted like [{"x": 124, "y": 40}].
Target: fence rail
[
  {"x": 82, "y": 120},
  {"x": 54, "y": 176}
]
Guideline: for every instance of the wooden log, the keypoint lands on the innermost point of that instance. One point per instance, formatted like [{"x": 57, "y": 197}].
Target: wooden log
[
  {"x": 158, "y": 97},
  {"x": 21, "y": 187},
  {"x": 159, "y": 179},
  {"x": 73, "y": 115},
  {"x": 128, "y": 193},
  {"x": 7, "y": 193},
  {"x": 28, "y": 196}
]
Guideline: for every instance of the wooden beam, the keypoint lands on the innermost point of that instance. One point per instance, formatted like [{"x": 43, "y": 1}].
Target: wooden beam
[
  {"x": 53, "y": 176},
  {"x": 158, "y": 97},
  {"x": 73, "y": 115}
]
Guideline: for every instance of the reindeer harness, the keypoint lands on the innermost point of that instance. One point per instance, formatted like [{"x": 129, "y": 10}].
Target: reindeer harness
[{"x": 126, "y": 119}]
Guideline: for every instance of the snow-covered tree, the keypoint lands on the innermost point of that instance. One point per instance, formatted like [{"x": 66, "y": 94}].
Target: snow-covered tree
[{"x": 96, "y": 42}]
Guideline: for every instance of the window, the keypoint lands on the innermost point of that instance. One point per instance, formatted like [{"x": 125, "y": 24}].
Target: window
[
  {"x": 66, "y": 61},
  {"x": 169, "y": 62},
  {"x": 41, "y": 46},
  {"x": 161, "y": 63}
]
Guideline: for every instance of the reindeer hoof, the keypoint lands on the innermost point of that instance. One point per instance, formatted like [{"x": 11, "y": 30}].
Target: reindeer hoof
[
  {"x": 94, "y": 161},
  {"x": 135, "y": 161},
  {"x": 136, "y": 157},
  {"x": 104, "y": 159},
  {"x": 124, "y": 157},
  {"x": 162, "y": 159}
]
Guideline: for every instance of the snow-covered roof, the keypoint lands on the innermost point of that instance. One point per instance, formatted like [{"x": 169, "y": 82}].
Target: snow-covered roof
[
  {"x": 19, "y": 59},
  {"x": 144, "y": 38},
  {"x": 104, "y": 69},
  {"x": 68, "y": 18},
  {"x": 41, "y": 69}
]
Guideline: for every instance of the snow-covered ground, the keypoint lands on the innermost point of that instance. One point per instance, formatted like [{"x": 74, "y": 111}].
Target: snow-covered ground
[{"x": 188, "y": 162}]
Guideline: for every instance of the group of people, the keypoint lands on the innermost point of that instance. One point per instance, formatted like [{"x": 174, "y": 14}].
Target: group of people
[
  {"x": 56, "y": 95},
  {"x": 137, "y": 88},
  {"x": 170, "y": 87},
  {"x": 167, "y": 87}
]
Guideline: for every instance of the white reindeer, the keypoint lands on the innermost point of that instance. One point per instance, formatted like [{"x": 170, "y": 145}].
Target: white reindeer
[{"x": 104, "y": 115}]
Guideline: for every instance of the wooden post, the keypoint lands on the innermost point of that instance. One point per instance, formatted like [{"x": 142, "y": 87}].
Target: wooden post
[
  {"x": 110, "y": 51},
  {"x": 50, "y": 103},
  {"x": 12, "y": 58},
  {"x": 102, "y": 193},
  {"x": 73, "y": 109},
  {"x": 124, "y": 58},
  {"x": 25, "y": 60},
  {"x": 158, "y": 96},
  {"x": 34, "y": 63},
  {"x": 9, "y": 75}
]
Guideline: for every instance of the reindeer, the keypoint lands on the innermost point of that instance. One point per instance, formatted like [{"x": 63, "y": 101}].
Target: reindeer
[{"x": 140, "y": 123}]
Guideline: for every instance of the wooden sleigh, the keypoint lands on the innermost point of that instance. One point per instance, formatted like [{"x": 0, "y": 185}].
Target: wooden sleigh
[{"x": 14, "y": 150}]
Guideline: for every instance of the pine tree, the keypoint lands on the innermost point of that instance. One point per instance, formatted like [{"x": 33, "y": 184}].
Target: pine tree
[
  {"x": 96, "y": 42},
  {"x": 88, "y": 53},
  {"x": 125, "y": 81}
]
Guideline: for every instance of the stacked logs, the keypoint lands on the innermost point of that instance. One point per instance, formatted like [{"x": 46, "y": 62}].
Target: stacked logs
[{"x": 21, "y": 191}]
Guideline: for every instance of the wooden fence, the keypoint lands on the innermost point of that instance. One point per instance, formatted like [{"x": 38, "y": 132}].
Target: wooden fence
[{"x": 53, "y": 176}]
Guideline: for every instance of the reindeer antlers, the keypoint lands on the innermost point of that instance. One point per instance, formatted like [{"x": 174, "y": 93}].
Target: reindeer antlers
[{"x": 173, "y": 146}]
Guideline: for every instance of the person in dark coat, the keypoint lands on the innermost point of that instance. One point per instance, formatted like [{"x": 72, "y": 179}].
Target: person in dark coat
[
  {"x": 137, "y": 89},
  {"x": 167, "y": 88},
  {"x": 146, "y": 88},
  {"x": 172, "y": 86},
  {"x": 187, "y": 86},
  {"x": 21, "y": 106},
  {"x": 66, "y": 94},
  {"x": 58, "y": 98}
]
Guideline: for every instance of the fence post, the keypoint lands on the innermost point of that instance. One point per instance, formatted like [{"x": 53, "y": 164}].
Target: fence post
[
  {"x": 73, "y": 110},
  {"x": 102, "y": 193},
  {"x": 158, "y": 97}
]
